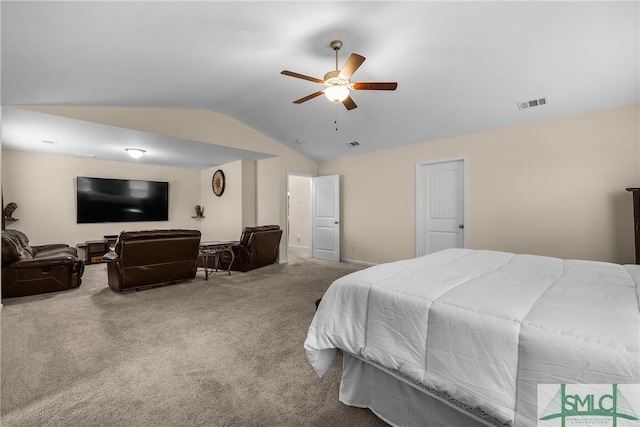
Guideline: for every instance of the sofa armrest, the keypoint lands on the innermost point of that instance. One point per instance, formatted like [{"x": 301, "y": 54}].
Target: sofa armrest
[
  {"x": 110, "y": 257},
  {"x": 43, "y": 262}
]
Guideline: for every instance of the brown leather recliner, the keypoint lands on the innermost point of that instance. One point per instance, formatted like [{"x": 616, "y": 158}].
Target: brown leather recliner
[
  {"x": 30, "y": 270},
  {"x": 258, "y": 246},
  {"x": 152, "y": 257}
]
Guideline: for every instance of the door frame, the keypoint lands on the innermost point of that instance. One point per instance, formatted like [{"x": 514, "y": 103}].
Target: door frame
[
  {"x": 304, "y": 175},
  {"x": 420, "y": 202}
]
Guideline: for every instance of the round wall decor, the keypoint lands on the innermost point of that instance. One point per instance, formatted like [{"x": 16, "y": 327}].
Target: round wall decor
[{"x": 218, "y": 182}]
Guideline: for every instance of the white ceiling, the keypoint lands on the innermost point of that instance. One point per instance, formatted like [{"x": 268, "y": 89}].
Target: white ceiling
[{"x": 461, "y": 67}]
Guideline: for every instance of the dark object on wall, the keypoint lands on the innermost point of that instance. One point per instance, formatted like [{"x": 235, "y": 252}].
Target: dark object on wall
[
  {"x": 636, "y": 220},
  {"x": 218, "y": 182},
  {"x": 258, "y": 246},
  {"x": 9, "y": 210},
  {"x": 7, "y": 214},
  {"x": 121, "y": 200},
  {"x": 30, "y": 270},
  {"x": 151, "y": 258},
  {"x": 199, "y": 212}
]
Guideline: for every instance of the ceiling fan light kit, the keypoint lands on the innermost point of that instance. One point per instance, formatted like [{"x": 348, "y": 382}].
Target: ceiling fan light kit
[
  {"x": 338, "y": 83},
  {"x": 336, "y": 93}
]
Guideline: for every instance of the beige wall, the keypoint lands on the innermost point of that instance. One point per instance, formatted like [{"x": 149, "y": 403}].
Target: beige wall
[
  {"x": 300, "y": 211},
  {"x": 272, "y": 180},
  {"x": 222, "y": 215},
  {"x": 214, "y": 128},
  {"x": 43, "y": 186},
  {"x": 553, "y": 188},
  {"x": 249, "y": 208},
  {"x": 225, "y": 216}
]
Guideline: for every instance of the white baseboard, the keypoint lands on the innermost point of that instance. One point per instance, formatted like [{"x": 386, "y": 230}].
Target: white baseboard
[
  {"x": 355, "y": 261},
  {"x": 300, "y": 247}
]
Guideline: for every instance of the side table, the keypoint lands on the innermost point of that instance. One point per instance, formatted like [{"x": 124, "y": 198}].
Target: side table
[{"x": 215, "y": 249}]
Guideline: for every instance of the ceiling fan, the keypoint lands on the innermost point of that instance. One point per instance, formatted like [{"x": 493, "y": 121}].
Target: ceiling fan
[{"x": 338, "y": 84}]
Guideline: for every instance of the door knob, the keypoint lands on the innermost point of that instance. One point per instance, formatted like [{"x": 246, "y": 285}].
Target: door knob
[{"x": 460, "y": 225}]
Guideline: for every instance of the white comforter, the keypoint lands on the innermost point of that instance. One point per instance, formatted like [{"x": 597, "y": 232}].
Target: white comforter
[{"x": 485, "y": 326}]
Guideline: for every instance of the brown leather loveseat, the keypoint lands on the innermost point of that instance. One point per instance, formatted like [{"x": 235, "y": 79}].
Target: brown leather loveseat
[
  {"x": 30, "y": 270},
  {"x": 152, "y": 257},
  {"x": 258, "y": 246}
]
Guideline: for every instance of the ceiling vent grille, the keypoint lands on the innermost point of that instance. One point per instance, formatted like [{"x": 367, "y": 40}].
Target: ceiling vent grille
[
  {"x": 352, "y": 144},
  {"x": 533, "y": 103}
]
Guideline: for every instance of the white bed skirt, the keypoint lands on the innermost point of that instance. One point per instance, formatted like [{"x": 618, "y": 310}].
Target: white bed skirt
[{"x": 396, "y": 401}]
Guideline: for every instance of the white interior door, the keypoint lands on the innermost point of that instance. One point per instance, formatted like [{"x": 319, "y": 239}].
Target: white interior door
[
  {"x": 441, "y": 204},
  {"x": 325, "y": 222}
]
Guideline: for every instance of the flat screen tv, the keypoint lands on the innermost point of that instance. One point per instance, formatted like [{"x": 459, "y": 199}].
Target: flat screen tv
[{"x": 121, "y": 200}]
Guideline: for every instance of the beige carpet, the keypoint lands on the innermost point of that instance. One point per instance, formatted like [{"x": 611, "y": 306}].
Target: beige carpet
[{"x": 223, "y": 352}]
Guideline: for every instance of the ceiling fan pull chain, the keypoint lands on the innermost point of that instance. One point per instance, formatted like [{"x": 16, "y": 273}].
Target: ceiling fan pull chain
[{"x": 335, "y": 121}]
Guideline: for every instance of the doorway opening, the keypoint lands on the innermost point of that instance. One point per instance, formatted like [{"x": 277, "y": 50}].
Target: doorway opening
[{"x": 298, "y": 216}]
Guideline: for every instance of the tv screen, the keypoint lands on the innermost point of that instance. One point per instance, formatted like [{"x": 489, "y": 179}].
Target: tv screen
[{"x": 121, "y": 200}]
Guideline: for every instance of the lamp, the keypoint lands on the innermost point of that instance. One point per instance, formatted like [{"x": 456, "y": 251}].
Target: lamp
[
  {"x": 135, "y": 153},
  {"x": 336, "y": 93}
]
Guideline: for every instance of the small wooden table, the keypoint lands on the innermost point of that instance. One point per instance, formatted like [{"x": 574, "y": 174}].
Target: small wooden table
[{"x": 214, "y": 248}]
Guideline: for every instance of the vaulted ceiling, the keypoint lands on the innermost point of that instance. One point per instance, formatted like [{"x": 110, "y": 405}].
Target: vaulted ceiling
[{"x": 461, "y": 67}]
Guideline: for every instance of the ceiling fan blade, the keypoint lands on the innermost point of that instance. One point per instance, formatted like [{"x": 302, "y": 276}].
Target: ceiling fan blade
[
  {"x": 301, "y": 76},
  {"x": 352, "y": 64},
  {"x": 308, "y": 97},
  {"x": 375, "y": 86},
  {"x": 349, "y": 104}
]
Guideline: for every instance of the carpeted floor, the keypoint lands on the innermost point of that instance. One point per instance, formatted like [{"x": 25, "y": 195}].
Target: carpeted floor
[{"x": 223, "y": 352}]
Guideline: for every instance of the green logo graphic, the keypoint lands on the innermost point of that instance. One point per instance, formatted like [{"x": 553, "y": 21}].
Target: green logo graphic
[{"x": 612, "y": 405}]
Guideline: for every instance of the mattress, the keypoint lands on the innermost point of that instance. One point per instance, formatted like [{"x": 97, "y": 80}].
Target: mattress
[{"x": 486, "y": 327}]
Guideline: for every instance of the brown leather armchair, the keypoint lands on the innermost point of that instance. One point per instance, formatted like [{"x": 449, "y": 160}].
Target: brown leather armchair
[
  {"x": 152, "y": 257},
  {"x": 258, "y": 246},
  {"x": 30, "y": 270}
]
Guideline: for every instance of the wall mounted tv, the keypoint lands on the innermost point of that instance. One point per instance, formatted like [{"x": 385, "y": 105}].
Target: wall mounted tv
[{"x": 121, "y": 200}]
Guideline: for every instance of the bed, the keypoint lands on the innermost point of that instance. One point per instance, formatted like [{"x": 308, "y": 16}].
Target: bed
[{"x": 463, "y": 337}]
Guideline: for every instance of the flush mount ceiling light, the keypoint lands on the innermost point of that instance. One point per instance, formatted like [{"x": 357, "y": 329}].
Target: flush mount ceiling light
[{"x": 136, "y": 153}]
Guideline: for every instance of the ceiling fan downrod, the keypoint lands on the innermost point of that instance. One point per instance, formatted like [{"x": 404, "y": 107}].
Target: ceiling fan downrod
[{"x": 336, "y": 45}]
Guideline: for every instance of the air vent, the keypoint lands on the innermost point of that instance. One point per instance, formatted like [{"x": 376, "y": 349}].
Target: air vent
[
  {"x": 352, "y": 144},
  {"x": 84, "y": 156},
  {"x": 49, "y": 142},
  {"x": 533, "y": 103}
]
